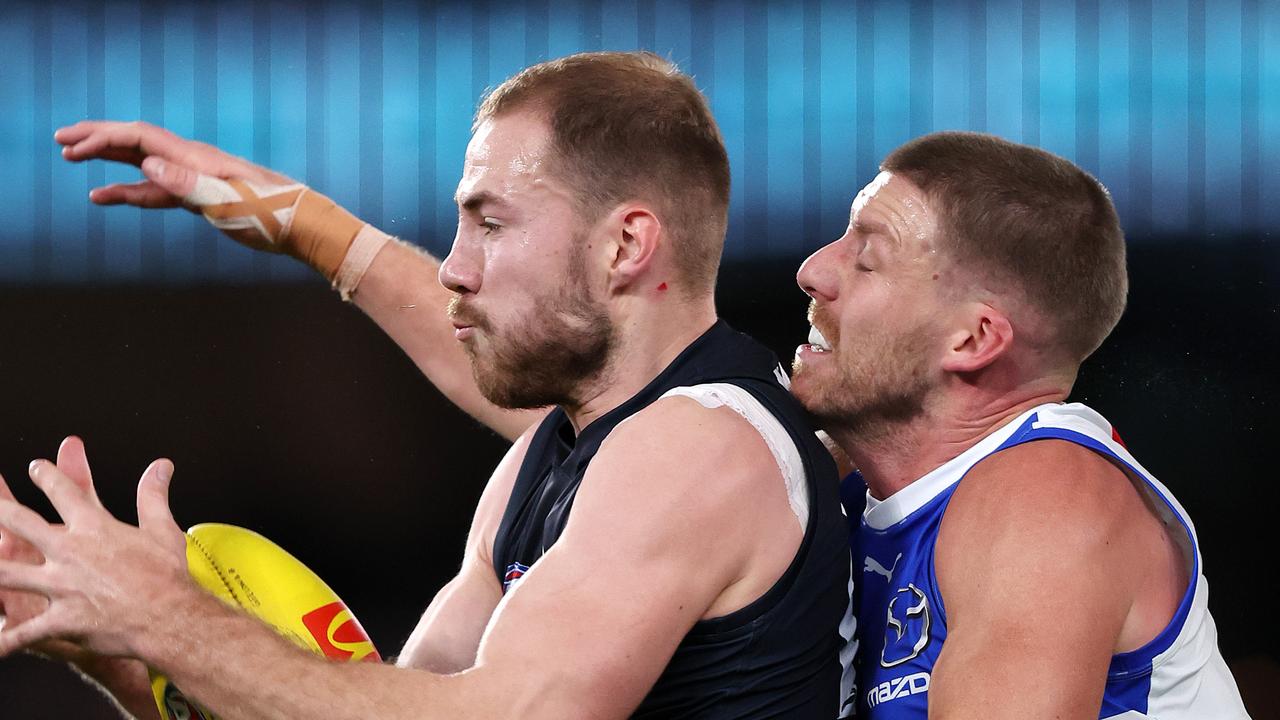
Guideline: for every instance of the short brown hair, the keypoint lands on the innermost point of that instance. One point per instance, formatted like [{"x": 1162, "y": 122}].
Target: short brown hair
[
  {"x": 1024, "y": 216},
  {"x": 631, "y": 126}
]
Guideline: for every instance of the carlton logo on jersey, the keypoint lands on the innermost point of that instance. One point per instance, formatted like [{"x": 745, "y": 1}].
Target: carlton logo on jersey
[
  {"x": 908, "y": 626},
  {"x": 515, "y": 571}
]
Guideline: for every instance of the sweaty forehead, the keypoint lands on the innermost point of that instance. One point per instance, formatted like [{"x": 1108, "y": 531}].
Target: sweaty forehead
[
  {"x": 515, "y": 144},
  {"x": 506, "y": 156},
  {"x": 894, "y": 202},
  {"x": 866, "y": 194}
]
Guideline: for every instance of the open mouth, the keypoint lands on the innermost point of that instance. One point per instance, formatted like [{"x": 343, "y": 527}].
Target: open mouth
[{"x": 817, "y": 342}]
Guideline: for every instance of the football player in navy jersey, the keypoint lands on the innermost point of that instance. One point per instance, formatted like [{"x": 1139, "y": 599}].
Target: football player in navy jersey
[
  {"x": 1013, "y": 559},
  {"x": 609, "y": 571}
]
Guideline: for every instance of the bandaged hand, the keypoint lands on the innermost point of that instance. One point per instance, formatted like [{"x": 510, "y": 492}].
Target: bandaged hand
[{"x": 252, "y": 204}]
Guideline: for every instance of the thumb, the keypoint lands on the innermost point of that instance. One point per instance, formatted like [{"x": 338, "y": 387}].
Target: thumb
[
  {"x": 174, "y": 178},
  {"x": 154, "y": 515}
]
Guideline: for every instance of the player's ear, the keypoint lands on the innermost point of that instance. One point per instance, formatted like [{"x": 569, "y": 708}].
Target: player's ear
[
  {"x": 635, "y": 235},
  {"x": 982, "y": 335}
]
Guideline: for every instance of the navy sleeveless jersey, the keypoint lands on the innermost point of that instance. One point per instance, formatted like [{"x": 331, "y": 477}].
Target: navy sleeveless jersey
[
  {"x": 1179, "y": 675},
  {"x": 778, "y": 657}
]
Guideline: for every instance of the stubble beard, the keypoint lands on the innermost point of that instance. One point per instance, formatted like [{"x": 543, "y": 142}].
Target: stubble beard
[
  {"x": 876, "y": 389},
  {"x": 552, "y": 355}
]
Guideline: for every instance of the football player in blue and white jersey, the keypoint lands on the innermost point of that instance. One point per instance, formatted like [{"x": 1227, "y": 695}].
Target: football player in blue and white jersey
[{"x": 1013, "y": 559}]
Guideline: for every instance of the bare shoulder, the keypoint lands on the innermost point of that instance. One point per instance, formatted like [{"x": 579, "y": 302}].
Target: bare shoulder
[
  {"x": 1037, "y": 578},
  {"x": 678, "y": 472},
  {"x": 1051, "y": 484},
  {"x": 679, "y": 443},
  {"x": 1048, "y": 513},
  {"x": 686, "y": 486}
]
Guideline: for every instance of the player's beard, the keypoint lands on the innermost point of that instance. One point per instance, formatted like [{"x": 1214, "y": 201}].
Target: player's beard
[
  {"x": 876, "y": 384},
  {"x": 551, "y": 354}
]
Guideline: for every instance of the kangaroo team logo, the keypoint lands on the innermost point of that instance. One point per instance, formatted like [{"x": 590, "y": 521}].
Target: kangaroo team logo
[{"x": 908, "y": 626}]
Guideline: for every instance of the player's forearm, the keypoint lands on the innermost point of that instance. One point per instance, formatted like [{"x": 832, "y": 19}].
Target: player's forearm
[
  {"x": 400, "y": 292},
  {"x": 240, "y": 669}
]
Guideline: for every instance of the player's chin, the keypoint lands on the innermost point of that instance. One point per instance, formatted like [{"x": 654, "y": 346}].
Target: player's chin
[
  {"x": 809, "y": 360},
  {"x": 805, "y": 383}
]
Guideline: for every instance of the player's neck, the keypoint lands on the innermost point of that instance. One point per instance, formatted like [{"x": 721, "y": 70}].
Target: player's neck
[
  {"x": 648, "y": 342},
  {"x": 892, "y": 457}
]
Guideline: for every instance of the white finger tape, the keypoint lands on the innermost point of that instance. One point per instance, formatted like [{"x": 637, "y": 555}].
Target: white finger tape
[{"x": 243, "y": 205}]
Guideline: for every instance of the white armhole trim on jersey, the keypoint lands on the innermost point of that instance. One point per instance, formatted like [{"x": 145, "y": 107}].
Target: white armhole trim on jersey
[{"x": 785, "y": 453}]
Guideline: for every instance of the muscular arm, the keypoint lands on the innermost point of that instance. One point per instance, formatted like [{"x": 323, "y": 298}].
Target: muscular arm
[
  {"x": 1037, "y": 571},
  {"x": 399, "y": 291},
  {"x": 656, "y": 537}
]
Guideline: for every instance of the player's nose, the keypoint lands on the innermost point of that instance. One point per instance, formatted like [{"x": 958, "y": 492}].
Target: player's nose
[
  {"x": 461, "y": 269},
  {"x": 817, "y": 276}
]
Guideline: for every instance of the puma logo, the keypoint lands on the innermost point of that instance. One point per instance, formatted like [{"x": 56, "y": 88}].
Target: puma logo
[{"x": 870, "y": 564}]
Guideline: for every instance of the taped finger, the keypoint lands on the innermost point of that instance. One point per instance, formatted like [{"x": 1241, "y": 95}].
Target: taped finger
[{"x": 240, "y": 205}]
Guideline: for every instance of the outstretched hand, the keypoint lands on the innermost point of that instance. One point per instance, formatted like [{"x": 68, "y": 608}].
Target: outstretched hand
[
  {"x": 170, "y": 163},
  {"x": 16, "y": 606},
  {"x": 251, "y": 204},
  {"x": 102, "y": 583}
]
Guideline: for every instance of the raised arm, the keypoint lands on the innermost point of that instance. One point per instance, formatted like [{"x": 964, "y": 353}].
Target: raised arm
[{"x": 397, "y": 282}]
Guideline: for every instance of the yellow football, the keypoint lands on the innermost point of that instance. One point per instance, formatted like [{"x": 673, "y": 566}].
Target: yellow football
[{"x": 248, "y": 571}]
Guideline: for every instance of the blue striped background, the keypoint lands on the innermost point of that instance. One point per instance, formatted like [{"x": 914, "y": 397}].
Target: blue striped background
[{"x": 1174, "y": 104}]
